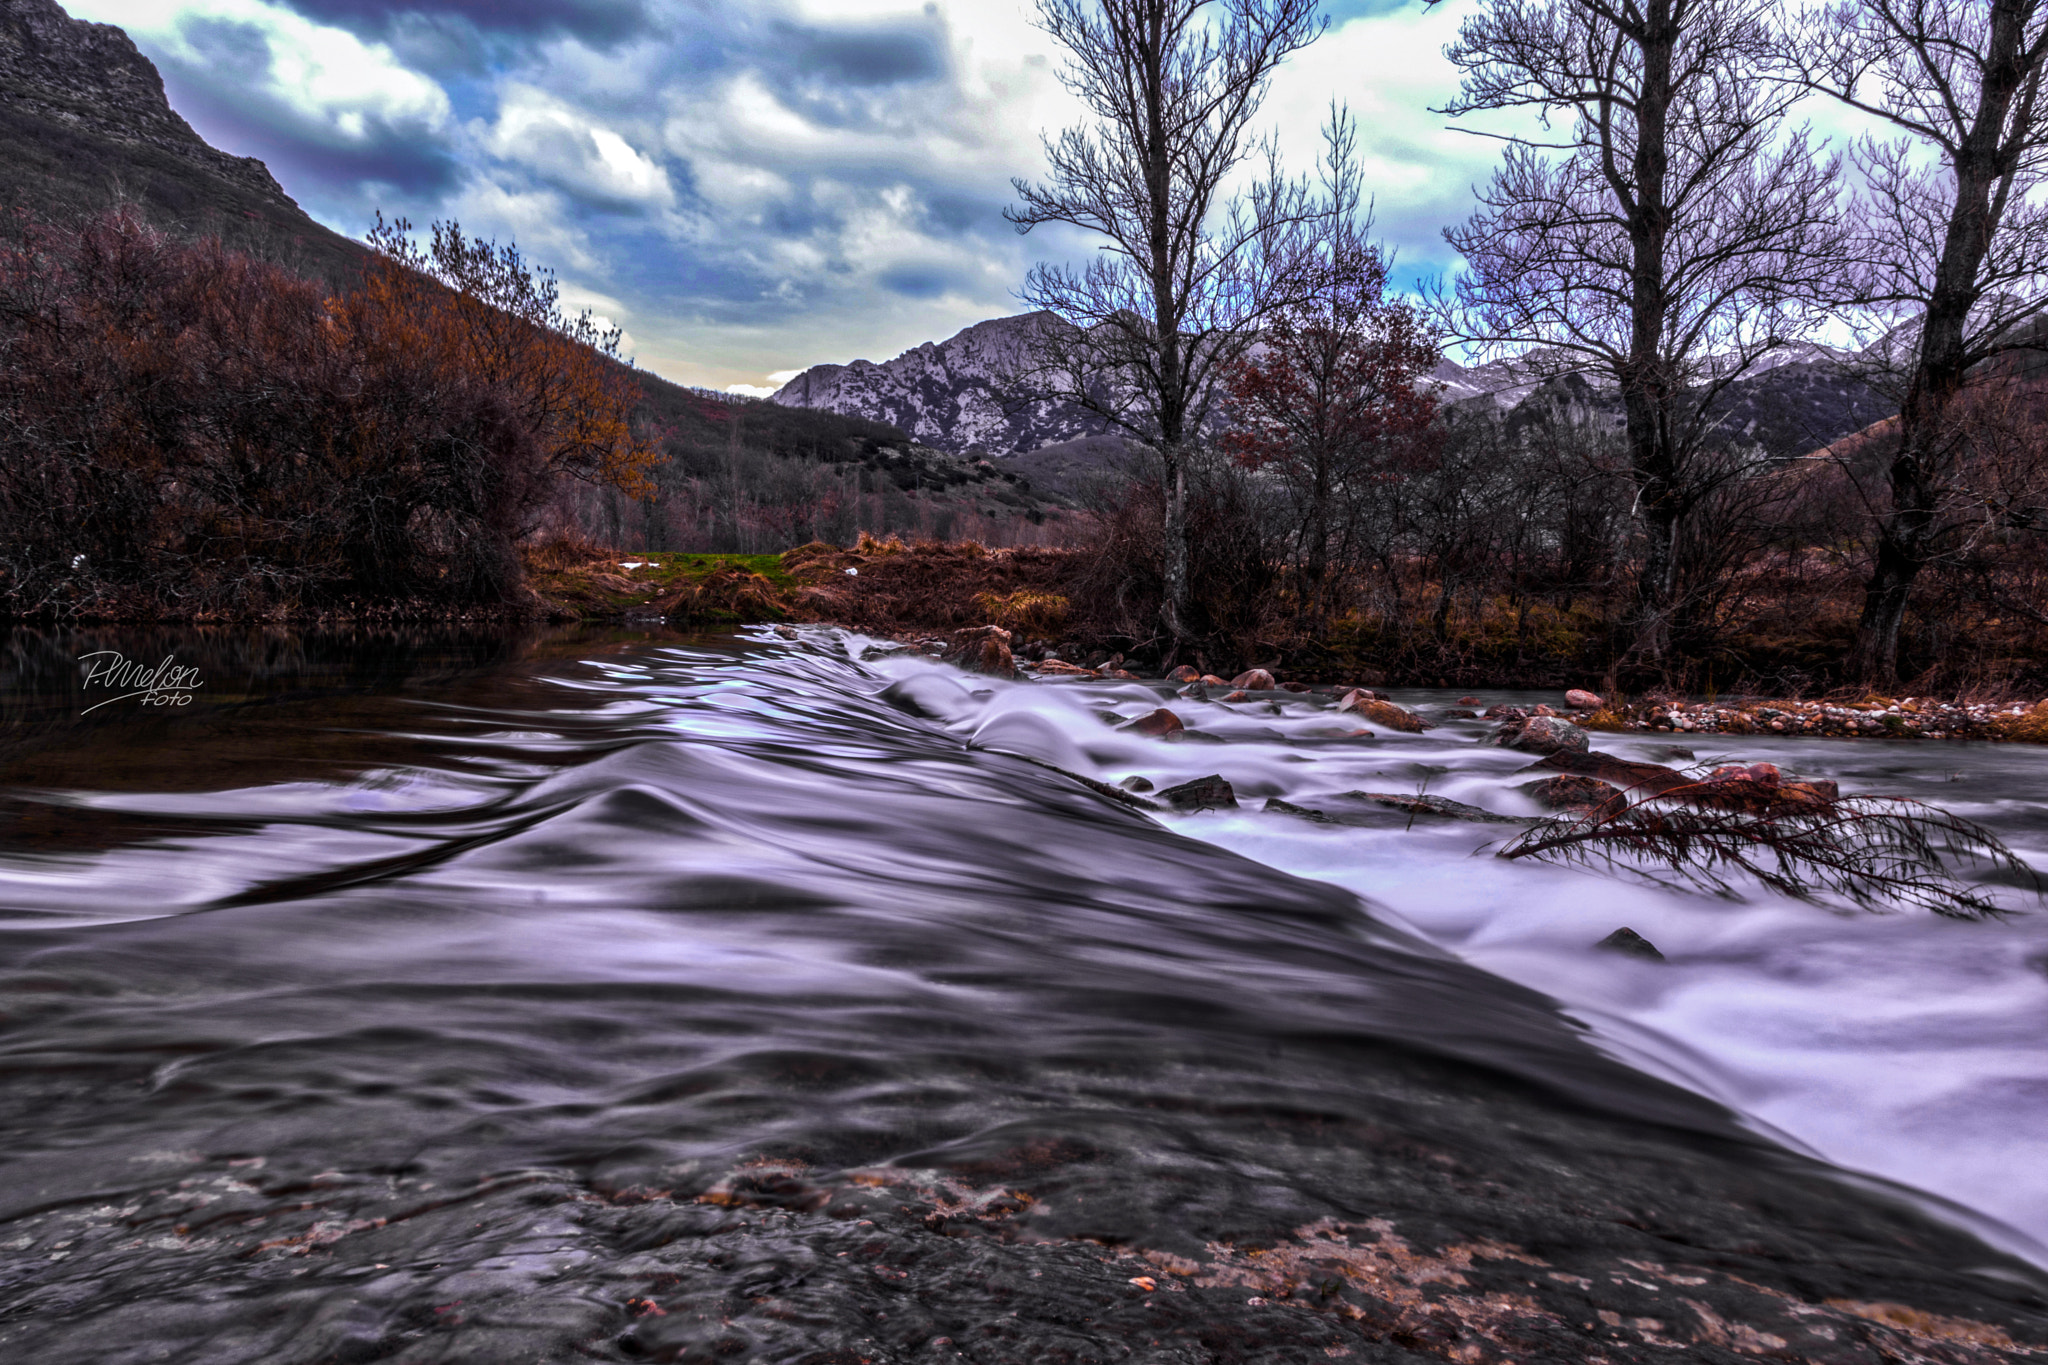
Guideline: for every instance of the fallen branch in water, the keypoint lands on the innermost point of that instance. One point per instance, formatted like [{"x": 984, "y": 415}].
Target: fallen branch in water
[{"x": 1878, "y": 852}]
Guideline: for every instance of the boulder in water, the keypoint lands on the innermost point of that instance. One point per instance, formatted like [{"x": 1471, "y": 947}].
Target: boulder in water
[
  {"x": 1254, "y": 680},
  {"x": 1204, "y": 793},
  {"x": 1239, "y": 695},
  {"x": 1441, "y": 807},
  {"x": 1579, "y": 699},
  {"x": 1627, "y": 940},
  {"x": 1578, "y": 794},
  {"x": 1380, "y": 712},
  {"x": 1183, "y": 674},
  {"x": 1158, "y": 724},
  {"x": 1542, "y": 735}
]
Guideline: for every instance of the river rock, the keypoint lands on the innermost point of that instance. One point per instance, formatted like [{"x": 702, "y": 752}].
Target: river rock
[
  {"x": 1542, "y": 735},
  {"x": 1541, "y": 710},
  {"x": 1211, "y": 680},
  {"x": 982, "y": 649},
  {"x": 1502, "y": 711},
  {"x": 1371, "y": 708},
  {"x": 1136, "y": 784},
  {"x": 1254, "y": 680},
  {"x": 1158, "y": 723},
  {"x": 1757, "y": 788},
  {"x": 1637, "y": 779},
  {"x": 1296, "y": 687},
  {"x": 1579, "y": 699},
  {"x": 1578, "y": 794},
  {"x": 1441, "y": 807},
  {"x": 1204, "y": 793},
  {"x": 1275, "y": 806},
  {"x": 1056, "y": 668},
  {"x": 1238, "y": 696},
  {"x": 1627, "y": 940},
  {"x": 1468, "y": 701},
  {"x": 1183, "y": 674},
  {"x": 1459, "y": 713}
]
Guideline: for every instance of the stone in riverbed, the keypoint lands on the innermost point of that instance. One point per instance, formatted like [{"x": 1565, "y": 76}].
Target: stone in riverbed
[
  {"x": 1542, "y": 735},
  {"x": 1183, "y": 674},
  {"x": 1239, "y": 696},
  {"x": 1136, "y": 784},
  {"x": 1295, "y": 687},
  {"x": 1371, "y": 708},
  {"x": 1627, "y": 940},
  {"x": 1579, "y": 699},
  {"x": 1204, "y": 793},
  {"x": 1440, "y": 806},
  {"x": 1254, "y": 680},
  {"x": 1158, "y": 724},
  {"x": 1468, "y": 701},
  {"x": 1582, "y": 795}
]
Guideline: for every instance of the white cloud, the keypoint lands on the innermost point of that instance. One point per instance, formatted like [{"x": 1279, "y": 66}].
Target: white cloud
[
  {"x": 563, "y": 146},
  {"x": 328, "y": 76}
]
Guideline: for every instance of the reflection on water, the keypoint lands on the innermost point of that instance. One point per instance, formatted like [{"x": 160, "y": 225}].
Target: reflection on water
[{"x": 432, "y": 998}]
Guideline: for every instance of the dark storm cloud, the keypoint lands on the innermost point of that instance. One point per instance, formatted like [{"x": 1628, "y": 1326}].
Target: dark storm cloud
[
  {"x": 915, "y": 282},
  {"x": 223, "y": 95},
  {"x": 867, "y": 54},
  {"x": 598, "y": 22}
]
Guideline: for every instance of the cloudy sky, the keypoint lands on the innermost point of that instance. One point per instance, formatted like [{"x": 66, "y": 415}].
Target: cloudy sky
[{"x": 747, "y": 186}]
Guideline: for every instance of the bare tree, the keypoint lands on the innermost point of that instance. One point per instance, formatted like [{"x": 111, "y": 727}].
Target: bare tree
[
  {"x": 1670, "y": 238},
  {"x": 1961, "y": 243},
  {"x": 1171, "y": 300}
]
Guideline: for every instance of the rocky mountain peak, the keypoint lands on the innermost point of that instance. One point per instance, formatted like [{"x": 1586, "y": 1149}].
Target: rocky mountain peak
[
  {"x": 92, "y": 77},
  {"x": 948, "y": 394}
]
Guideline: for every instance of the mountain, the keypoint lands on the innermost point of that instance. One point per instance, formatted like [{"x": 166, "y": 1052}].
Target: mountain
[
  {"x": 87, "y": 125},
  {"x": 948, "y": 394}
]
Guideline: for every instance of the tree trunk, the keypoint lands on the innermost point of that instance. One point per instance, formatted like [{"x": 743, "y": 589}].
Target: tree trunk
[
  {"x": 1907, "y": 531},
  {"x": 1173, "y": 609},
  {"x": 1647, "y": 390}
]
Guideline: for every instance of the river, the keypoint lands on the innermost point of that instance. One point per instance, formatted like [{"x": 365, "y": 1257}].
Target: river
[{"x": 628, "y": 997}]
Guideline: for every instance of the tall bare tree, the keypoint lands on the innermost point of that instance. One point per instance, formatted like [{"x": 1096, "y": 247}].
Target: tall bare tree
[
  {"x": 1667, "y": 236},
  {"x": 1171, "y": 300},
  {"x": 1958, "y": 239}
]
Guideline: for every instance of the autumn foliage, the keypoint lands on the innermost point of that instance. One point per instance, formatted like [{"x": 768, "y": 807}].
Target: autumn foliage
[{"x": 191, "y": 432}]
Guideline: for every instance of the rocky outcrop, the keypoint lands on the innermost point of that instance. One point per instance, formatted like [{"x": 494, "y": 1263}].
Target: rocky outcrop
[
  {"x": 91, "y": 77},
  {"x": 950, "y": 394}
]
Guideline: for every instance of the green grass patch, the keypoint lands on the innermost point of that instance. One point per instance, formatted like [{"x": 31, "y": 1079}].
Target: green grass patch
[{"x": 669, "y": 568}]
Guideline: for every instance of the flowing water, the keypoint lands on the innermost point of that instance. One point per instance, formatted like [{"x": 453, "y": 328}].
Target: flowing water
[{"x": 500, "y": 999}]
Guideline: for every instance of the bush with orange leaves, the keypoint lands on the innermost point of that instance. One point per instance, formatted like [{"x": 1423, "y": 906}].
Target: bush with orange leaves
[
  {"x": 466, "y": 305},
  {"x": 192, "y": 433}
]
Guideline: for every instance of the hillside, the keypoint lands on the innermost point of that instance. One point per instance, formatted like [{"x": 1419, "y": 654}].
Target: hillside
[{"x": 87, "y": 125}]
